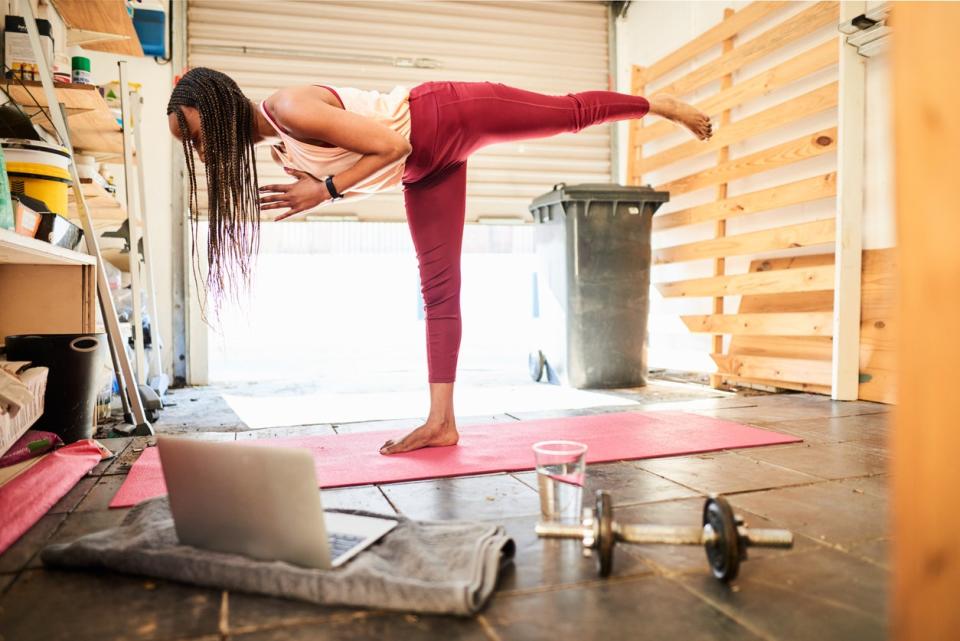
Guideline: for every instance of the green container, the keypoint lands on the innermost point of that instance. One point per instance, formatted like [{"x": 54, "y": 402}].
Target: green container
[{"x": 6, "y": 207}]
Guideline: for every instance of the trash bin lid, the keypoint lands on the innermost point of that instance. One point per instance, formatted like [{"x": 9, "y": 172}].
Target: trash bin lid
[{"x": 611, "y": 192}]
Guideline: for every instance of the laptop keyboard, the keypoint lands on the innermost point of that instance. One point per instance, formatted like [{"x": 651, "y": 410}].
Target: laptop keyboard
[{"x": 340, "y": 544}]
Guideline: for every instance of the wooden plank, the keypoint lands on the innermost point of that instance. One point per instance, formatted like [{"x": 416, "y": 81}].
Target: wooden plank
[
  {"x": 102, "y": 16},
  {"x": 729, "y": 27},
  {"x": 730, "y": 379},
  {"x": 770, "y": 282},
  {"x": 801, "y": 191},
  {"x": 720, "y": 227},
  {"x": 635, "y": 150},
  {"x": 774, "y": 368},
  {"x": 18, "y": 249},
  {"x": 852, "y": 115},
  {"x": 776, "y": 324},
  {"x": 790, "y": 30},
  {"x": 43, "y": 299},
  {"x": 809, "y": 62},
  {"x": 817, "y": 232},
  {"x": 878, "y": 327},
  {"x": 925, "y": 439},
  {"x": 787, "y": 153},
  {"x": 808, "y": 104},
  {"x": 102, "y": 204}
]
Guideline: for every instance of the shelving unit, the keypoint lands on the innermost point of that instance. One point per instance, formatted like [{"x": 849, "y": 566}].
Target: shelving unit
[
  {"x": 103, "y": 206},
  {"x": 100, "y": 25},
  {"x": 93, "y": 128},
  {"x": 45, "y": 288}
]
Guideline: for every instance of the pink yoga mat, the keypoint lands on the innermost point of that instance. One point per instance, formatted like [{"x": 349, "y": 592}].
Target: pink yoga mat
[
  {"x": 353, "y": 459},
  {"x": 28, "y": 496}
]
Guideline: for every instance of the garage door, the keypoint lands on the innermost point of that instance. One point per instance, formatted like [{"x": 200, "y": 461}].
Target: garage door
[{"x": 549, "y": 47}]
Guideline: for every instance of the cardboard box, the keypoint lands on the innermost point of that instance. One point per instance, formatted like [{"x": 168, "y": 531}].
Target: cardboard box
[{"x": 11, "y": 429}]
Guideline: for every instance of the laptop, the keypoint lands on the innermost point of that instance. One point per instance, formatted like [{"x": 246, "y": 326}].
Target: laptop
[{"x": 259, "y": 501}]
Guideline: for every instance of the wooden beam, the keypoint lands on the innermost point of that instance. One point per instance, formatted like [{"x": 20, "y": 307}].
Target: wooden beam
[
  {"x": 776, "y": 324},
  {"x": 849, "y": 244},
  {"x": 730, "y": 379},
  {"x": 777, "y": 37},
  {"x": 785, "y": 113},
  {"x": 801, "y": 191},
  {"x": 795, "y": 150},
  {"x": 778, "y": 281},
  {"x": 925, "y": 439},
  {"x": 809, "y": 62},
  {"x": 817, "y": 232},
  {"x": 775, "y": 368},
  {"x": 720, "y": 226},
  {"x": 729, "y": 27},
  {"x": 635, "y": 149}
]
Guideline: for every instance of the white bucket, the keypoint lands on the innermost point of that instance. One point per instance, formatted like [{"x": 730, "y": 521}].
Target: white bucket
[{"x": 36, "y": 152}]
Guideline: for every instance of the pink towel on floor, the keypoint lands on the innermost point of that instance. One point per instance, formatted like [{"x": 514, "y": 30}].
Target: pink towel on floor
[
  {"x": 353, "y": 459},
  {"x": 27, "y": 497}
]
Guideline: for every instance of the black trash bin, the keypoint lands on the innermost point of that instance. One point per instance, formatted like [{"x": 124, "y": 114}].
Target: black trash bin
[
  {"x": 71, "y": 398},
  {"x": 593, "y": 283}
]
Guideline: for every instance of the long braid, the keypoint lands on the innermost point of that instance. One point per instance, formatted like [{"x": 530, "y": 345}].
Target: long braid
[{"x": 233, "y": 210}]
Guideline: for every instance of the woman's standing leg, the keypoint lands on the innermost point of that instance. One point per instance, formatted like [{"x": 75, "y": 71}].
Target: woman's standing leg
[{"x": 436, "y": 208}]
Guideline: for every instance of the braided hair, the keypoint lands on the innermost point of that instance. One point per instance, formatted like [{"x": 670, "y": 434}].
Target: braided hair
[{"x": 233, "y": 210}]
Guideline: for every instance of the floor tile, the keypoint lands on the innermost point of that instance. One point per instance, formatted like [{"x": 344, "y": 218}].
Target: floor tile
[
  {"x": 645, "y": 608},
  {"x": 772, "y": 413},
  {"x": 867, "y": 429},
  {"x": 51, "y": 605},
  {"x": 366, "y": 497},
  {"x": 723, "y": 473},
  {"x": 115, "y": 445},
  {"x": 101, "y": 494},
  {"x": 72, "y": 499},
  {"x": 19, "y": 554},
  {"x": 875, "y": 485},
  {"x": 125, "y": 461},
  {"x": 829, "y": 511},
  {"x": 208, "y": 435},
  {"x": 540, "y": 562},
  {"x": 6, "y": 580},
  {"x": 627, "y": 483},
  {"x": 672, "y": 559},
  {"x": 370, "y": 626},
  {"x": 400, "y": 425},
  {"x": 878, "y": 551},
  {"x": 489, "y": 497},
  {"x": 80, "y": 523},
  {"x": 824, "y": 460},
  {"x": 295, "y": 431},
  {"x": 819, "y": 594}
]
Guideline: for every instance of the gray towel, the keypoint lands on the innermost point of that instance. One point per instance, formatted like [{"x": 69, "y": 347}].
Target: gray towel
[{"x": 435, "y": 567}]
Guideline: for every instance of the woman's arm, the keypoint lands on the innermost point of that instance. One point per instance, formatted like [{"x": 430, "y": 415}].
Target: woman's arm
[{"x": 306, "y": 116}]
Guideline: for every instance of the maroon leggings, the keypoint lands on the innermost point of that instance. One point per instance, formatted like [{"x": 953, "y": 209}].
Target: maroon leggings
[{"x": 449, "y": 121}]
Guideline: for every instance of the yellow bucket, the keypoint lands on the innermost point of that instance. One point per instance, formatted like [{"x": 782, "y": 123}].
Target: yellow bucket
[{"x": 43, "y": 182}]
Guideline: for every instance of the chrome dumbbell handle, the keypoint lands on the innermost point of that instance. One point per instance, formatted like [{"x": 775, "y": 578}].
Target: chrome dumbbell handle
[
  {"x": 761, "y": 538},
  {"x": 667, "y": 534},
  {"x": 561, "y": 531}
]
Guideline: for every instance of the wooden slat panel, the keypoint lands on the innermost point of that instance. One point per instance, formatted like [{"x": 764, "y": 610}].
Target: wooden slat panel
[
  {"x": 781, "y": 155},
  {"x": 730, "y": 379},
  {"x": 103, "y": 16},
  {"x": 711, "y": 37},
  {"x": 785, "y": 113},
  {"x": 775, "y": 369},
  {"x": 776, "y": 324},
  {"x": 794, "y": 28},
  {"x": 782, "y": 196},
  {"x": 772, "y": 282},
  {"x": 809, "y": 62},
  {"x": 817, "y": 232}
]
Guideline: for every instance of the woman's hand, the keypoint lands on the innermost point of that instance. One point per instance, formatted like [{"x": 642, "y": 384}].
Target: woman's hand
[{"x": 306, "y": 193}]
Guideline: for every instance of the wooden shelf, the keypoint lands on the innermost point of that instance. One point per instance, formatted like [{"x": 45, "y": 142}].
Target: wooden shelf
[
  {"x": 102, "y": 204},
  {"x": 93, "y": 128},
  {"x": 107, "y": 17},
  {"x": 21, "y": 250}
]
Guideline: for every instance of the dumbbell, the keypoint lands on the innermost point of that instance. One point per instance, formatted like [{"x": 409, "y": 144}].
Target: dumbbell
[{"x": 723, "y": 534}]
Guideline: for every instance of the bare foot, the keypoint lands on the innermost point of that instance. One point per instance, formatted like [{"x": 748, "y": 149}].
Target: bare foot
[
  {"x": 685, "y": 114},
  {"x": 430, "y": 434}
]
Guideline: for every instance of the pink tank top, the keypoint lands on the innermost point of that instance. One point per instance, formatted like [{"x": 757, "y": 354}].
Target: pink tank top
[{"x": 390, "y": 109}]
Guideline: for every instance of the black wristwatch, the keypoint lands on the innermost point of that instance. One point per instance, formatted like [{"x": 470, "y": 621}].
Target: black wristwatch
[{"x": 331, "y": 188}]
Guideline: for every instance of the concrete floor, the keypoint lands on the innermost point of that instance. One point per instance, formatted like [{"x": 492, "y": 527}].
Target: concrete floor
[{"x": 830, "y": 490}]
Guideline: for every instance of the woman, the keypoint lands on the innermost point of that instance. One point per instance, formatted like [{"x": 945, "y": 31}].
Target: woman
[{"x": 347, "y": 143}]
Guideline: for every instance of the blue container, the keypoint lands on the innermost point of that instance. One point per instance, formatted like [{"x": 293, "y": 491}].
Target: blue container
[{"x": 151, "y": 26}]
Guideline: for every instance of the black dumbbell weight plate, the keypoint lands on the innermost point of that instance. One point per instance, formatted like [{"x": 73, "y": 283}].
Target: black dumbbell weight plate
[
  {"x": 724, "y": 553},
  {"x": 606, "y": 538}
]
